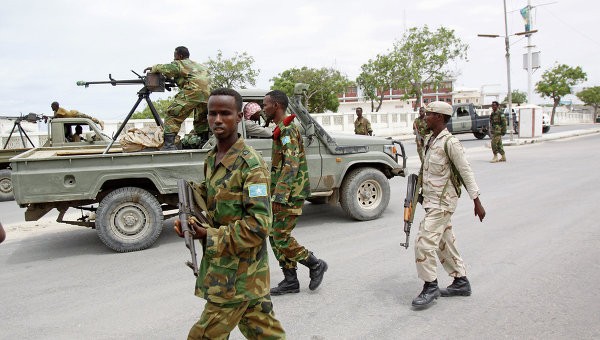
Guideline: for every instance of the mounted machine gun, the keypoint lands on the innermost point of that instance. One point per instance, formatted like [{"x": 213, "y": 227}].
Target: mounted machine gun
[
  {"x": 31, "y": 118},
  {"x": 152, "y": 82}
]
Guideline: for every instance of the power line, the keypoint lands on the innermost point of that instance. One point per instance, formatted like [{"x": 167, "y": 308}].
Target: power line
[{"x": 572, "y": 27}]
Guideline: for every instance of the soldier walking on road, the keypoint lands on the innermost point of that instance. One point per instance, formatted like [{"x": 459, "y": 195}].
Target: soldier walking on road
[
  {"x": 234, "y": 271},
  {"x": 498, "y": 127},
  {"x": 289, "y": 188},
  {"x": 444, "y": 168},
  {"x": 421, "y": 130},
  {"x": 362, "y": 126},
  {"x": 194, "y": 86}
]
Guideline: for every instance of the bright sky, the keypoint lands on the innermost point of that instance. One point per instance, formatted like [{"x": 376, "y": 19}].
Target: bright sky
[{"x": 46, "y": 46}]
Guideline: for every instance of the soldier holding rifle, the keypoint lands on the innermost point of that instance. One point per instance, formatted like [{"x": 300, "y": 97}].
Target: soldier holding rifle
[
  {"x": 421, "y": 130},
  {"x": 234, "y": 272},
  {"x": 444, "y": 159},
  {"x": 194, "y": 84}
]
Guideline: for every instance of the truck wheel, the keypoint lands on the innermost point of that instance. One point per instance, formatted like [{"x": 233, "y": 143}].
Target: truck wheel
[
  {"x": 6, "y": 188},
  {"x": 545, "y": 129},
  {"x": 479, "y": 135},
  {"x": 365, "y": 193},
  {"x": 129, "y": 219}
]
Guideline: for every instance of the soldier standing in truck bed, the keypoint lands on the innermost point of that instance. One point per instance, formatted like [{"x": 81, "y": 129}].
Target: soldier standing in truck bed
[{"x": 194, "y": 87}]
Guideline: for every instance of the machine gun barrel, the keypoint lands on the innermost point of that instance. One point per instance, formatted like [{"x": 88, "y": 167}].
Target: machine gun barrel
[{"x": 153, "y": 82}]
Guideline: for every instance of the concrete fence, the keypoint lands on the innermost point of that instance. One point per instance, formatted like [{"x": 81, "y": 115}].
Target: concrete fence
[{"x": 383, "y": 124}]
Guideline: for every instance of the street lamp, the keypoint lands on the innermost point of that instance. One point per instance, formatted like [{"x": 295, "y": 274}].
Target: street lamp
[{"x": 507, "y": 44}]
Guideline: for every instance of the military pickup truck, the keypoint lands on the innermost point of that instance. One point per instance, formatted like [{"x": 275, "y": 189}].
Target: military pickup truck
[
  {"x": 466, "y": 120},
  {"x": 132, "y": 193},
  {"x": 60, "y": 132}
]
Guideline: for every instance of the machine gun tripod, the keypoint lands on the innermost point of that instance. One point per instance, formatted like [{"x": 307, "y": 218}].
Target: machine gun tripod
[
  {"x": 153, "y": 82},
  {"x": 31, "y": 118}
]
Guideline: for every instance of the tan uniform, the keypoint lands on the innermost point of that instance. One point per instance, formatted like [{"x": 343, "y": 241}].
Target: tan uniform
[
  {"x": 63, "y": 113},
  {"x": 439, "y": 200}
]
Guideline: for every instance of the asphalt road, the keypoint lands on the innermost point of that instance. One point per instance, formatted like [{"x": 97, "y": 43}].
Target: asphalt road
[{"x": 532, "y": 264}]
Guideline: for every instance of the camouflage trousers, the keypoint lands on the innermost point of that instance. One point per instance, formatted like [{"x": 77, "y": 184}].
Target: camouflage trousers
[
  {"x": 497, "y": 147},
  {"x": 285, "y": 247},
  {"x": 435, "y": 237},
  {"x": 180, "y": 109},
  {"x": 255, "y": 319},
  {"x": 420, "y": 151}
]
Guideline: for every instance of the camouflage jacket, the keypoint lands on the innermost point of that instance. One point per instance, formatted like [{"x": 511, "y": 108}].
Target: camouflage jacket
[
  {"x": 289, "y": 170},
  {"x": 498, "y": 123},
  {"x": 420, "y": 125},
  {"x": 235, "y": 264},
  {"x": 191, "y": 77},
  {"x": 362, "y": 126},
  {"x": 438, "y": 191}
]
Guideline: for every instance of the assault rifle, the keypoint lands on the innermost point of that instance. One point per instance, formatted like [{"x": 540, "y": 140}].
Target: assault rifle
[
  {"x": 413, "y": 187},
  {"x": 30, "y": 118},
  {"x": 188, "y": 208},
  {"x": 153, "y": 82}
]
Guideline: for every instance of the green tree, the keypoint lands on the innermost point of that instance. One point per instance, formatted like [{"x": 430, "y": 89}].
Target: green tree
[
  {"x": 518, "y": 97},
  {"x": 234, "y": 72},
  {"x": 557, "y": 82},
  {"x": 377, "y": 77},
  {"x": 422, "y": 57},
  {"x": 324, "y": 86},
  {"x": 591, "y": 96},
  {"x": 161, "y": 106}
]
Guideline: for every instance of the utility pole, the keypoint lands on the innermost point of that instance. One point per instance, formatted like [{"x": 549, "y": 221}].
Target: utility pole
[
  {"x": 509, "y": 96},
  {"x": 529, "y": 56}
]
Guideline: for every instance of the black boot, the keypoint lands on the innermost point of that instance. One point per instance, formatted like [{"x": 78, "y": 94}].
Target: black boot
[
  {"x": 317, "y": 270},
  {"x": 289, "y": 284},
  {"x": 169, "y": 143},
  {"x": 460, "y": 287},
  {"x": 429, "y": 293}
]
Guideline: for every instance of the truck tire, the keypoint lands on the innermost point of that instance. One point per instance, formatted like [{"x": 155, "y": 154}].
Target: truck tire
[
  {"x": 479, "y": 135},
  {"x": 6, "y": 188},
  {"x": 365, "y": 193},
  {"x": 129, "y": 219},
  {"x": 545, "y": 129}
]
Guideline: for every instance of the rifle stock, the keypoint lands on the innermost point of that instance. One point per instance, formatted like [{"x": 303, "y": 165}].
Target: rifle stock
[{"x": 410, "y": 204}]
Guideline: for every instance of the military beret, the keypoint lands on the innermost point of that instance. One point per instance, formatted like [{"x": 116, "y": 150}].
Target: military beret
[{"x": 439, "y": 107}]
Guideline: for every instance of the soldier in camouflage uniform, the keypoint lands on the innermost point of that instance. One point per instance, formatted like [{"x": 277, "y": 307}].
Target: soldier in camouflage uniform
[
  {"x": 289, "y": 187},
  {"x": 362, "y": 126},
  {"x": 234, "y": 272},
  {"x": 420, "y": 130},
  {"x": 59, "y": 112},
  {"x": 498, "y": 127},
  {"x": 440, "y": 196},
  {"x": 194, "y": 86}
]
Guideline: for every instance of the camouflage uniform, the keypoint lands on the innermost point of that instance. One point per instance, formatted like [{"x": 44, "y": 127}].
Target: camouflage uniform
[
  {"x": 421, "y": 127},
  {"x": 362, "y": 126},
  {"x": 289, "y": 187},
  {"x": 439, "y": 200},
  {"x": 194, "y": 88},
  {"x": 63, "y": 113},
  {"x": 498, "y": 127},
  {"x": 234, "y": 272}
]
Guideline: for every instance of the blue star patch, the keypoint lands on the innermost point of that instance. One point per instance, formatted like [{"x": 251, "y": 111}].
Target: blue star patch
[
  {"x": 257, "y": 190},
  {"x": 285, "y": 140}
]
